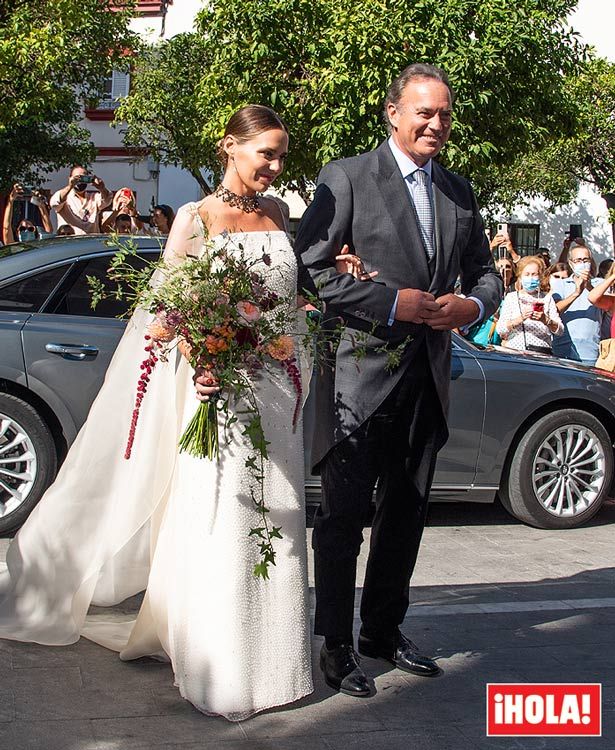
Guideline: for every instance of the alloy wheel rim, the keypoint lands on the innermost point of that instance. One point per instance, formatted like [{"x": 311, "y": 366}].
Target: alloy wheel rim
[
  {"x": 568, "y": 470},
  {"x": 18, "y": 465}
]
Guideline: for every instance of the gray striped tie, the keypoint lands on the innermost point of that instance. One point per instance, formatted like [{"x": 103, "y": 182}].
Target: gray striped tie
[{"x": 424, "y": 209}]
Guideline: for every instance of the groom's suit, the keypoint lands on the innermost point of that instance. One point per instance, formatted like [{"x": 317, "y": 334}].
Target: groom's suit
[{"x": 373, "y": 425}]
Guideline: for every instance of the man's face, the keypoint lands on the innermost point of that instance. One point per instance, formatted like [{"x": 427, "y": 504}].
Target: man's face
[
  {"x": 421, "y": 120},
  {"x": 80, "y": 187}
]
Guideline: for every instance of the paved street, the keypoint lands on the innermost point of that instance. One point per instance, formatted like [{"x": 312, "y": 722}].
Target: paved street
[{"x": 495, "y": 601}]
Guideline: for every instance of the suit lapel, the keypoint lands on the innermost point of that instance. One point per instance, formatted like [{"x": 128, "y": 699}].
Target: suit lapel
[
  {"x": 445, "y": 217},
  {"x": 399, "y": 206}
]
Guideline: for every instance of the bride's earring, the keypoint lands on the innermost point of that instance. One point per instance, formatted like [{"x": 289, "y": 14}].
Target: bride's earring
[{"x": 234, "y": 167}]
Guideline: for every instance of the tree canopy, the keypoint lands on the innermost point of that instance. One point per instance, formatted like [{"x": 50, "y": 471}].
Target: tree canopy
[
  {"x": 586, "y": 155},
  {"x": 325, "y": 66},
  {"x": 53, "y": 56}
]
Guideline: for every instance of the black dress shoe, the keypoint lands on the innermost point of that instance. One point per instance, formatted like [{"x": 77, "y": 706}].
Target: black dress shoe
[
  {"x": 342, "y": 672},
  {"x": 401, "y": 652}
]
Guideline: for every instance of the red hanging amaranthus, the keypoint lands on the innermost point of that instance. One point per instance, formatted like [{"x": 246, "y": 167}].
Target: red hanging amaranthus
[
  {"x": 147, "y": 366},
  {"x": 290, "y": 365}
]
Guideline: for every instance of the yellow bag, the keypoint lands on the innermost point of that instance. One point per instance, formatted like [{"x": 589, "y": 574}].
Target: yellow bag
[{"x": 606, "y": 360}]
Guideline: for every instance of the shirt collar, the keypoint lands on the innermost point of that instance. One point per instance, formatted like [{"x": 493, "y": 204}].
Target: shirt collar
[{"x": 405, "y": 163}]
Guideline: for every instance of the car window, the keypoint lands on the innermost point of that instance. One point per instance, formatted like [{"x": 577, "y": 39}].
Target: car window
[
  {"x": 29, "y": 293},
  {"x": 77, "y": 299}
]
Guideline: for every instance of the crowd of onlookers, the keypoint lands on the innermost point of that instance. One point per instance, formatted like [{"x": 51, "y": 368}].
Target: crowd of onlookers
[
  {"x": 563, "y": 308},
  {"x": 83, "y": 206}
]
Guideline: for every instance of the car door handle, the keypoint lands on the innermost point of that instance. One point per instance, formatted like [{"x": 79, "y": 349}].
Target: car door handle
[{"x": 72, "y": 351}]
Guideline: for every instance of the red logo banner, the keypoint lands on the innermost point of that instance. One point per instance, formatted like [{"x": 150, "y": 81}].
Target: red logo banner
[{"x": 544, "y": 709}]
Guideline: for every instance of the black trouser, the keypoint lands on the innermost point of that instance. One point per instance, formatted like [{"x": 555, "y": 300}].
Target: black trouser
[{"x": 396, "y": 447}]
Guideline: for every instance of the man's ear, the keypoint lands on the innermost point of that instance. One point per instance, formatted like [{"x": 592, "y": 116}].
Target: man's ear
[{"x": 392, "y": 115}]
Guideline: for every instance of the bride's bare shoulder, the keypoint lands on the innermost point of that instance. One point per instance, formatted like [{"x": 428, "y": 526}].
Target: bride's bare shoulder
[{"x": 277, "y": 210}]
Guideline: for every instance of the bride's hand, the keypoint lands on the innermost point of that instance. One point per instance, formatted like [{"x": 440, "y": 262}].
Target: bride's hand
[
  {"x": 346, "y": 262},
  {"x": 184, "y": 349},
  {"x": 206, "y": 385}
]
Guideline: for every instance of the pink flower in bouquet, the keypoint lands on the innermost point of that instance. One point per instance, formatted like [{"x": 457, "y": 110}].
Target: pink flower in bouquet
[
  {"x": 160, "y": 331},
  {"x": 281, "y": 348},
  {"x": 222, "y": 299},
  {"x": 248, "y": 311}
]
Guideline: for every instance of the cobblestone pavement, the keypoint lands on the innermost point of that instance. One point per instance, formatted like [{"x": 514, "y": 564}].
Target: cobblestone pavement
[{"x": 493, "y": 600}]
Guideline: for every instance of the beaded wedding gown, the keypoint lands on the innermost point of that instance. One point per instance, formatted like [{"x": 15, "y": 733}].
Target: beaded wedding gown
[{"x": 176, "y": 526}]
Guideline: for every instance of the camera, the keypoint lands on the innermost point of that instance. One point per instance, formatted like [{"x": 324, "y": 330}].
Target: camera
[
  {"x": 88, "y": 179},
  {"x": 27, "y": 191}
]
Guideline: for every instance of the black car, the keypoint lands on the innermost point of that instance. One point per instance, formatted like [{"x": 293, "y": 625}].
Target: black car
[{"x": 535, "y": 430}]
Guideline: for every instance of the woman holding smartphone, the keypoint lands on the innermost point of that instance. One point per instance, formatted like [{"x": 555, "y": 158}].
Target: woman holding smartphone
[{"x": 529, "y": 318}]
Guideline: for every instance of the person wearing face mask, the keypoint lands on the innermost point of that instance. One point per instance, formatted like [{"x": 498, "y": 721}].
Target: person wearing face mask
[
  {"x": 485, "y": 333},
  {"x": 27, "y": 230},
  {"x": 582, "y": 320},
  {"x": 529, "y": 318},
  {"x": 78, "y": 207}
]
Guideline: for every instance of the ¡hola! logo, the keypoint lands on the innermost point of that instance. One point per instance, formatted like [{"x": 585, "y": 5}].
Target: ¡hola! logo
[{"x": 543, "y": 709}]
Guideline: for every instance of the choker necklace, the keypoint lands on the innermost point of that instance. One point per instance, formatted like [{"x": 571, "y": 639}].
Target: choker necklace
[{"x": 246, "y": 203}]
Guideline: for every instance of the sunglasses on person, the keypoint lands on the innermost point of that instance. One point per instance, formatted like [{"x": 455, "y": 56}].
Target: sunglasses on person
[{"x": 26, "y": 228}]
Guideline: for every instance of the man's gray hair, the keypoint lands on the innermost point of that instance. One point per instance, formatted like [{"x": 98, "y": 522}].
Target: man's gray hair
[{"x": 413, "y": 72}]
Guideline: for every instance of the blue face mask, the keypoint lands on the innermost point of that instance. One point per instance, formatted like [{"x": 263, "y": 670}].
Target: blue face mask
[
  {"x": 530, "y": 285},
  {"x": 26, "y": 235}
]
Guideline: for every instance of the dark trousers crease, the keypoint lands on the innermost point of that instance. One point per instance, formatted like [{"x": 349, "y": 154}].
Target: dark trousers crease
[{"x": 395, "y": 451}]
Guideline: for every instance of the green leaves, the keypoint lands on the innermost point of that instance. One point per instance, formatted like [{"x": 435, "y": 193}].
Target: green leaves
[
  {"x": 325, "y": 66},
  {"x": 53, "y": 56}
]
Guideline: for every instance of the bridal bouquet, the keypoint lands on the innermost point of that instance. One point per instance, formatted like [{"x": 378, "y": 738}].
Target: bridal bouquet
[{"x": 228, "y": 323}]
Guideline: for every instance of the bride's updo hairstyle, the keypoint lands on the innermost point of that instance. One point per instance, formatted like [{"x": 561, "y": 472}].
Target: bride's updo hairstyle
[{"x": 246, "y": 123}]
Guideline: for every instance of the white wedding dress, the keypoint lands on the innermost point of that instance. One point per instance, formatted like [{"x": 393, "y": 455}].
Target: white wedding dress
[{"x": 175, "y": 526}]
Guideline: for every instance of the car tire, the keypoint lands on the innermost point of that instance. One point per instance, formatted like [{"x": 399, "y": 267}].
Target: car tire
[
  {"x": 560, "y": 472},
  {"x": 24, "y": 437}
]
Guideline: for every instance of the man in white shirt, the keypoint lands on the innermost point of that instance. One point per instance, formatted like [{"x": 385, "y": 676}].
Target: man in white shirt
[{"x": 79, "y": 208}]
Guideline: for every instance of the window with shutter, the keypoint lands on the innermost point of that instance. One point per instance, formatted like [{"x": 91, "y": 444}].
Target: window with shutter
[{"x": 116, "y": 87}]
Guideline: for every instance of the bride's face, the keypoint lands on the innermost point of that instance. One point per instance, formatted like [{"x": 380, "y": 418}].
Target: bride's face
[{"x": 255, "y": 163}]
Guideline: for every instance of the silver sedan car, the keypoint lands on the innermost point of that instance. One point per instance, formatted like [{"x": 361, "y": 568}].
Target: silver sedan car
[{"x": 536, "y": 431}]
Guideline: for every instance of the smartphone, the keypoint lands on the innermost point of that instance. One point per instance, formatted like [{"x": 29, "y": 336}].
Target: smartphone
[
  {"x": 576, "y": 230},
  {"x": 538, "y": 307},
  {"x": 503, "y": 229}
]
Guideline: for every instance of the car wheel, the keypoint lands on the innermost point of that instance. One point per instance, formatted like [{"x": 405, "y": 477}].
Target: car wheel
[
  {"x": 560, "y": 472},
  {"x": 28, "y": 461}
]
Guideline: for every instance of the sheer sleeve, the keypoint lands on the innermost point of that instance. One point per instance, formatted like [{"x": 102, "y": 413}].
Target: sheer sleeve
[
  {"x": 186, "y": 236},
  {"x": 283, "y": 209}
]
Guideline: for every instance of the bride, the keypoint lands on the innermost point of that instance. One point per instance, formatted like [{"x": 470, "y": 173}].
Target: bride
[{"x": 173, "y": 524}]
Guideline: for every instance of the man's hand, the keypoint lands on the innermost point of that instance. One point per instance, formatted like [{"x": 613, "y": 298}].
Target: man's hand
[
  {"x": 581, "y": 280},
  {"x": 415, "y": 306},
  {"x": 72, "y": 181},
  {"x": 454, "y": 312}
]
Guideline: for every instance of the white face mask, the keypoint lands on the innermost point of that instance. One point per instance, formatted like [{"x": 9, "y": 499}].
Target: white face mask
[{"x": 579, "y": 266}]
